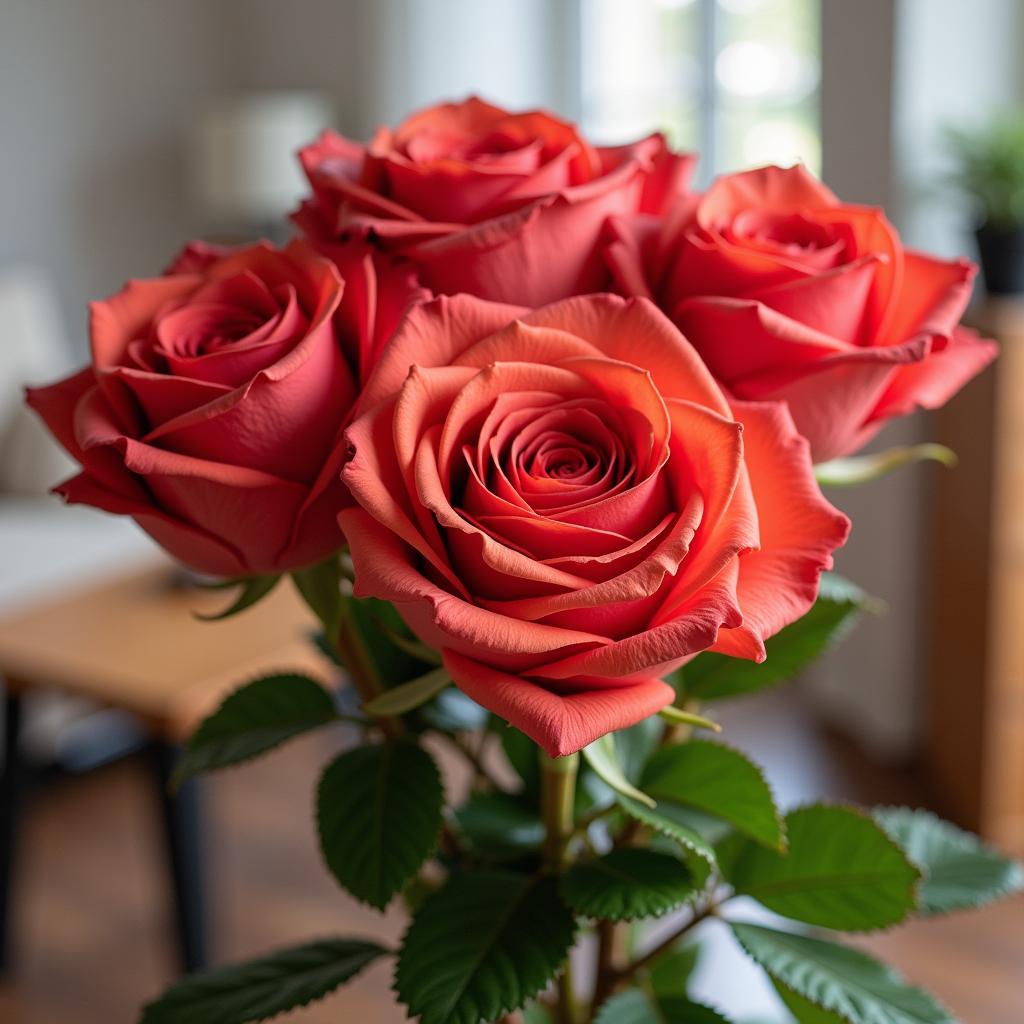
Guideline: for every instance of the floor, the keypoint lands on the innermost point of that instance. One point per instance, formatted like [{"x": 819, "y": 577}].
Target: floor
[{"x": 91, "y": 920}]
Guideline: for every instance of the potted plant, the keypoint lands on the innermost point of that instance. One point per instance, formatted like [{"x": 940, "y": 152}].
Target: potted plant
[{"x": 990, "y": 170}]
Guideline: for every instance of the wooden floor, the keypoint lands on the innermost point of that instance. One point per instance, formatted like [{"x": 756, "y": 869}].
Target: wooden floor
[{"x": 92, "y": 922}]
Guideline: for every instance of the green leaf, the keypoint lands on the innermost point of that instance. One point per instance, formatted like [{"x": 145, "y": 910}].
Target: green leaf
[
  {"x": 521, "y": 753},
  {"x": 376, "y": 622},
  {"x": 482, "y": 946},
  {"x": 862, "y": 469},
  {"x": 697, "y": 852},
  {"x": 960, "y": 872},
  {"x": 254, "y": 719},
  {"x": 499, "y": 824},
  {"x": 637, "y": 743},
  {"x": 857, "y": 988},
  {"x": 253, "y": 589},
  {"x": 320, "y": 588},
  {"x": 712, "y": 676},
  {"x": 262, "y": 988},
  {"x": 626, "y": 884},
  {"x": 842, "y": 871},
  {"x": 636, "y": 1007},
  {"x": 536, "y": 1013},
  {"x": 672, "y": 971},
  {"x": 602, "y": 756},
  {"x": 803, "y": 1009},
  {"x": 717, "y": 780},
  {"x": 407, "y": 696},
  {"x": 379, "y": 815}
]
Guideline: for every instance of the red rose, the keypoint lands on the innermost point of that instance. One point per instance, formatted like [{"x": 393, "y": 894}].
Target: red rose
[
  {"x": 505, "y": 206},
  {"x": 790, "y": 294},
  {"x": 567, "y": 507},
  {"x": 213, "y": 407}
]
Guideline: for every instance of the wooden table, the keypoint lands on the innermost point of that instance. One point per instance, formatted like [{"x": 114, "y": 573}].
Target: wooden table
[
  {"x": 975, "y": 677},
  {"x": 134, "y": 643}
]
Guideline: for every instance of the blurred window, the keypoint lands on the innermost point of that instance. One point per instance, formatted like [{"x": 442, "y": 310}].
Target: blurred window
[{"x": 736, "y": 80}]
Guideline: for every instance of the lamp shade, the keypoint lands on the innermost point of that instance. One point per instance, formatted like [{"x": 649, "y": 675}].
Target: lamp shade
[{"x": 244, "y": 170}]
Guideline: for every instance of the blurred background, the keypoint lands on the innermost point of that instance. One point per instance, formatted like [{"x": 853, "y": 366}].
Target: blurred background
[{"x": 129, "y": 127}]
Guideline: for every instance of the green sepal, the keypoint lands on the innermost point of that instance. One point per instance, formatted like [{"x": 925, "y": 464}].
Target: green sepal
[
  {"x": 410, "y": 695},
  {"x": 677, "y": 716},
  {"x": 602, "y": 756},
  {"x": 861, "y": 469},
  {"x": 254, "y": 588}
]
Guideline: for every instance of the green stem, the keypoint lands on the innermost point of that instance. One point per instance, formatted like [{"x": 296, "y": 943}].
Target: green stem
[
  {"x": 606, "y": 942},
  {"x": 558, "y": 791},
  {"x": 361, "y": 671},
  {"x": 627, "y": 972},
  {"x": 557, "y": 795}
]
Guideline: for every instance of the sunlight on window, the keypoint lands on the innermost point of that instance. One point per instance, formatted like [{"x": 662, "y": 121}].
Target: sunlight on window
[{"x": 736, "y": 79}]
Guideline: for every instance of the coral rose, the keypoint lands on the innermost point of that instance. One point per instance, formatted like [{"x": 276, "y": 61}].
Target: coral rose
[
  {"x": 213, "y": 408},
  {"x": 505, "y": 206},
  {"x": 787, "y": 293},
  {"x": 566, "y": 506}
]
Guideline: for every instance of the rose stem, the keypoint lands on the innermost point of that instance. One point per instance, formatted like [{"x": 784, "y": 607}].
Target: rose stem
[
  {"x": 607, "y": 934},
  {"x": 558, "y": 792},
  {"x": 361, "y": 671}
]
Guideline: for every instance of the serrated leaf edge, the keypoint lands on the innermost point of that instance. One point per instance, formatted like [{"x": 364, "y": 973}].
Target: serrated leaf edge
[
  {"x": 896, "y": 975},
  {"x": 780, "y": 818},
  {"x": 865, "y": 814},
  {"x": 1015, "y": 885},
  {"x": 505, "y": 1008},
  {"x": 178, "y": 777}
]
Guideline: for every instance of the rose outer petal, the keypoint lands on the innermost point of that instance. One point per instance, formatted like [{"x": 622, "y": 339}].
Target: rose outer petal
[{"x": 560, "y": 723}]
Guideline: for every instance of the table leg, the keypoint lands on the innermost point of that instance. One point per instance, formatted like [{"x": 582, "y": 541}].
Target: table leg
[
  {"x": 10, "y": 793},
  {"x": 180, "y": 814}
]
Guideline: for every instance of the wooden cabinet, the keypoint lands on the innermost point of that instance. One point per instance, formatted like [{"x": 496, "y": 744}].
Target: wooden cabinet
[{"x": 975, "y": 635}]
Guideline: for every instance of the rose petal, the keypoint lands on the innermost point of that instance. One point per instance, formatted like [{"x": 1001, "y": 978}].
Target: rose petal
[
  {"x": 798, "y": 530},
  {"x": 931, "y": 383},
  {"x": 433, "y": 334},
  {"x": 560, "y": 723},
  {"x": 441, "y": 619}
]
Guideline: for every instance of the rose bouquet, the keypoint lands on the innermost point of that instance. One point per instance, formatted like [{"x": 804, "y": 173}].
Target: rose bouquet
[{"x": 538, "y": 433}]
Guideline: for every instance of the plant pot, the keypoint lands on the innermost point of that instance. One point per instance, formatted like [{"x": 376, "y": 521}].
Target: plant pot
[{"x": 1002, "y": 258}]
